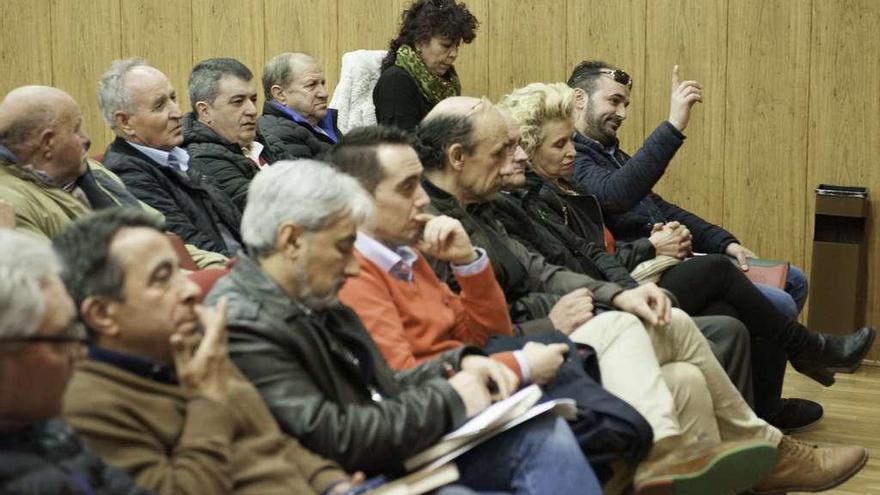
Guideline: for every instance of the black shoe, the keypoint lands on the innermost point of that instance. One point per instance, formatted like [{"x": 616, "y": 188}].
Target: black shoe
[
  {"x": 796, "y": 415},
  {"x": 825, "y": 354}
]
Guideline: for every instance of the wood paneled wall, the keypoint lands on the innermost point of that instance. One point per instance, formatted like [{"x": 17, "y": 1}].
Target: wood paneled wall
[{"x": 792, "y": 87}]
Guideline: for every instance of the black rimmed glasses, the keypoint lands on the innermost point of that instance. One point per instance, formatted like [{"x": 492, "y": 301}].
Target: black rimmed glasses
[
  {"x": 74, "y": 334},
  {"x": 618, "y": 76}
]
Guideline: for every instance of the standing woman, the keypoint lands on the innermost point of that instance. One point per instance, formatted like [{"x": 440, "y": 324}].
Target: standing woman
[{"x": 418, "y": 71}]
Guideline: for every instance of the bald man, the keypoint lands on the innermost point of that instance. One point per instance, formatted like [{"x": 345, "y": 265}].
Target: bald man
[
  {"x": 296, "y": 110},
  {"x": 42, "y": 152},
  {"x": 139, "y": 104}
]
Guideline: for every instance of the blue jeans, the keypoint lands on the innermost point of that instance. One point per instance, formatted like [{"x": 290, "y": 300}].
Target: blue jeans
[
  {"x": 790, "y": 301},
  {"x": 537, "y": 457}
]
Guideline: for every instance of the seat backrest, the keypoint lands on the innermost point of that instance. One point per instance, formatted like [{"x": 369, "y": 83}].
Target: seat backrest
[
  {"x": 353, "y": 97},
  {"x": 186, "y": 261}
]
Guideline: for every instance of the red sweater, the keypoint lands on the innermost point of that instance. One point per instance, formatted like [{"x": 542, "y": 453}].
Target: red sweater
[{"x": 416, "y": 321}]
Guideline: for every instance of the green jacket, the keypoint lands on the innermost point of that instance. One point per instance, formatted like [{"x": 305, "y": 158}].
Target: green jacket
[{"x": 44, "y": 210}]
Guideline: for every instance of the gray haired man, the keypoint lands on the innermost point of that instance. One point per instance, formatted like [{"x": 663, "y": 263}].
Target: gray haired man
[
  {"x": 39, "y": 345},
  {"x": 323, "y": 377},
  {"x": 140, "y": 105}
]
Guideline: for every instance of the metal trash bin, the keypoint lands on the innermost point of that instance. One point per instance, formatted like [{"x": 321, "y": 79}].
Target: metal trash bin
[{"x": 838, "y": 272}]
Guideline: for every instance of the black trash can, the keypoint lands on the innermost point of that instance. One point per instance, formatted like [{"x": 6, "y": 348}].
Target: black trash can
[{"x": 838, "y": 272}]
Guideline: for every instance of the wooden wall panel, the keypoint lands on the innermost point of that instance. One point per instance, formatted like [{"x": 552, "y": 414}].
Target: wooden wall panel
[
  {"x": 25, "y": 52},
  {"x": 612, "y": 31},
  {"x": 161, "y": 32},
  {"x": 527, "y": 43},
  {"x": 85, "y": 39},
  {"x": 473, "y": 59},
  {"x": 229, "y": 28},
  {"x": 844, "y": 132},
  {"x": 692, "y": 34},
  {"x": 765, "y": 141},
  {"x": 303, "y": 26},
  {"x": 367, "y": 24}
]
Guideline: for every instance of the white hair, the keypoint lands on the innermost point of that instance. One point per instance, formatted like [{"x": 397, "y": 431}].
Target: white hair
[
  {"x": 308, "y": 193},
  {"x": 112, "y": 93},
  {"x": 25, "y": 262}
]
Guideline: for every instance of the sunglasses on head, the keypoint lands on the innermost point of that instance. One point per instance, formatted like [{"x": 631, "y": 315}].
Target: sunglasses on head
[{"x": 618, "y": 76}]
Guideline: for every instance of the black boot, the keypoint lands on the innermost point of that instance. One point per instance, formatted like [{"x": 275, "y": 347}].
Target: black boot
[{"x": 821, "y": 355}]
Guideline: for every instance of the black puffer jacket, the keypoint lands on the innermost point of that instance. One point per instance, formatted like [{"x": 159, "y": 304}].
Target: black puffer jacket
[
  {"x": 224, "y": 162},
  {"x": 623, "y": 184},
  {"x": 192, "y": 205},
  {"x": 49, "y": 459},
  {"x": 297, "y": 140},
  {"x": 326, "y": 382}
]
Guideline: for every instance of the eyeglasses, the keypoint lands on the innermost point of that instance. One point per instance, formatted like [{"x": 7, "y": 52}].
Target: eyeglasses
[
  {"x": 618, "y": 76},
  {"x": 73, "y": 334}
]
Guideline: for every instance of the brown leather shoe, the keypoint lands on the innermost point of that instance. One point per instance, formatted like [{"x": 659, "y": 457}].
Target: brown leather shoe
[
  {"x": 810, "y": 468},
  {"x": 698, "y": 469}
]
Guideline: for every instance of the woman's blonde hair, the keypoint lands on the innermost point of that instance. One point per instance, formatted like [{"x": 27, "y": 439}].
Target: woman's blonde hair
[{"x": 534, "y": 105}]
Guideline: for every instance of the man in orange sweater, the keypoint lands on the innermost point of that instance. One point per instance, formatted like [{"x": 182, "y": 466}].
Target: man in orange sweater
[{"x": 397, "y": 294}]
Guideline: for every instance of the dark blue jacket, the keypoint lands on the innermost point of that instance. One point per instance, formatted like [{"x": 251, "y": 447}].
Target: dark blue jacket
[
  {"x": 49, "y": 459},
  {"x": 623, "y": 186}
]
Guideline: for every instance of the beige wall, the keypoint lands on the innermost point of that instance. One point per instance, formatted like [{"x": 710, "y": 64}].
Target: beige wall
[{"x": 792, "y": 87}]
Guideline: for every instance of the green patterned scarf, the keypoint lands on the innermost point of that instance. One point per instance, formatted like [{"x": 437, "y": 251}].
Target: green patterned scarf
[{"x": 433, "y": 88}]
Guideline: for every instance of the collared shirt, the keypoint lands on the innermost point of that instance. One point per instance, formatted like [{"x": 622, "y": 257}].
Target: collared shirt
[
  {"x": 137, "y": 365},
  {"x": 253, "y": 152},
  {"x": 399, "y": 262},
  {"x": 177, "y": 158},
  {"x": 325, "y": 126}
]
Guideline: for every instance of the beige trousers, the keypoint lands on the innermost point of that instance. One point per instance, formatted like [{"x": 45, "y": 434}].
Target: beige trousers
[{"x": 638, "y": 362}]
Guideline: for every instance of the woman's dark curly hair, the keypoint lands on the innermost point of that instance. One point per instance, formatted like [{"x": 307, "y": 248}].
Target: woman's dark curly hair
[{"x": 425, "y": 19}]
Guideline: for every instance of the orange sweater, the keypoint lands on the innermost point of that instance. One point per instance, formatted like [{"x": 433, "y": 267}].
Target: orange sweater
[{"x": 415, "y": 321}]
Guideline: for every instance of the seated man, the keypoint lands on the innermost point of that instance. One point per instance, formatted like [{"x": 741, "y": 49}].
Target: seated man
[
  {"x": 465, "y": 147},
  {"x": 139, "y": 104},
  {"x": 220, "y": 134},
  {"x": 48, "y": 190},
  {"x": 154, "y": 397},
  {"x": 623, "y": 184},
  {"x": 39, "y": 346},
  {"x": 296, "y": 110},
  {"x": 322, "y": 376}
]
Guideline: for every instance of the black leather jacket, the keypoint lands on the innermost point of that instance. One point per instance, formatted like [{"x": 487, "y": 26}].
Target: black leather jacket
[{"x": 326, "y": 382}]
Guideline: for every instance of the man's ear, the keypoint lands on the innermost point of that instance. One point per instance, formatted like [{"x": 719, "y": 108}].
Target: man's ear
[
  {"x": 203, "y": 112},
  {"x": 122, "y": 121},
  {"x": 288, "y": 240},
  {"x": 99, "y": 314},
  {"x": 278, "y": 94},
  {"x": 455, "y": 157},
  {"x": 46, "y": 142},
  {"x": 580, "y": 99}
]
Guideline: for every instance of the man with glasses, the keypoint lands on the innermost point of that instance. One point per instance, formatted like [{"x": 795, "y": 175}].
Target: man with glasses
[
  {"x": 622, "y": 184},
  {"x": 157, "y": 397},
  {"x": 39, "y": 345}
]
